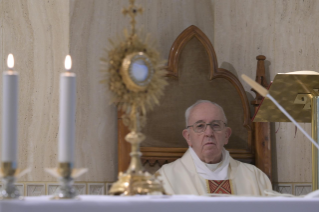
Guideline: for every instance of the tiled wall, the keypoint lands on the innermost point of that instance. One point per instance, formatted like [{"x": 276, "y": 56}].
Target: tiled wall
[
  {"x": 49, "y": 188},
  {"x": 296, "y": 189}
]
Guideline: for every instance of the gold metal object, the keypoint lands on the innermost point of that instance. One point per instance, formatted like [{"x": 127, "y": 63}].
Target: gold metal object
[
  {"x": 315, "y": 136},
  {"x": 65, "y": 174},
  {"x": 285, "y": 89},
  {"x": 136, "y": 79},
  {"x": 132, "y": 65},
  {"x": 136, "y": 180},
  {"x": 304, "y": 99},
  {"x": 298, "y": 94},
  {"x": 65, "y": 169},
  {"x": 127, "y": 91},
  {"x": 8, "y": 168}
]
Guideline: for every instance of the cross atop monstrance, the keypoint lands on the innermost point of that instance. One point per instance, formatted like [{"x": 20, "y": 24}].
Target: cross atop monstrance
[{"x": 132, "y": 11}]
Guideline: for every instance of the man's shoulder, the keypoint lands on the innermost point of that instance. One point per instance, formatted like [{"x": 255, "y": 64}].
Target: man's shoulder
[
  {"x": 180, "y": 164},
  {"x": 249, "y": 176},
  {"x": 171, "y": 165},
  {"x": 245, "y": 167}
]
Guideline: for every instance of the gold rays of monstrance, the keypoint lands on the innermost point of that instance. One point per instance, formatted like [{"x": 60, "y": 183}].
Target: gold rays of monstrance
[{"x": 136, "y": 80}]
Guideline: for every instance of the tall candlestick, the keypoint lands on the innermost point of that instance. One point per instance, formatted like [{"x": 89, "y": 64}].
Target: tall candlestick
[
  {"x": 10, "y": 113},
  {"x": 67, "y": 114}
]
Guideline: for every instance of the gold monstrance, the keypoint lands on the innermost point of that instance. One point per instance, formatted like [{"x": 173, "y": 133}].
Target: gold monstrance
[{"x": 137, "y": 82}]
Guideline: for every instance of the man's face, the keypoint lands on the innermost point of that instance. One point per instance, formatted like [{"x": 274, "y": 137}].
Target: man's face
[{"x": 208, "y": 145}]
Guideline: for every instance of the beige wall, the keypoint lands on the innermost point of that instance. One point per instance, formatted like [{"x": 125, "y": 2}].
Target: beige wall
[
  {"x": 40, "y": 34},
  {"x": 36, "y": 32},
  {"x": 286, "y": 32}
]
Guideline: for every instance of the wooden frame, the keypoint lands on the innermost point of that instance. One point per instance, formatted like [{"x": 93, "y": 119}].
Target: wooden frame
[
  {"x": 256, "y": 148},
  {"x": 262, "y": 129}
]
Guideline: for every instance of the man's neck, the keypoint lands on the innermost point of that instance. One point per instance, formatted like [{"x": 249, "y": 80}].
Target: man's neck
[{"x": 212, "y": 160}]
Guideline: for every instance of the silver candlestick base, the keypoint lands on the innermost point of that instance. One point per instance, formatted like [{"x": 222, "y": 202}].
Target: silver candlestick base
[
  {"x": 66, "y": 174},
  {"x": 9, "y": 191},
  {"x": 9, "y": 173},
  {"x": 66, "y": 189}
]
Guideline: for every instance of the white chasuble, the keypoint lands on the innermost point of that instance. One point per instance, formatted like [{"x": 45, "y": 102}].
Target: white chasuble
[{"x": 182, "y": 177}]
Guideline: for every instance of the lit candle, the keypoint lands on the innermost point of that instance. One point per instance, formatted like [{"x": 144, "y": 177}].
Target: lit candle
[
  {"x": 67, "y": 114},
  {"x": 10, "y": 113}
]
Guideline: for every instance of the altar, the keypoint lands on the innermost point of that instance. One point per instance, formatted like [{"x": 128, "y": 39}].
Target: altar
[
  {"x": 183, "y": 203},
  {"x": 85, "y": 125}
]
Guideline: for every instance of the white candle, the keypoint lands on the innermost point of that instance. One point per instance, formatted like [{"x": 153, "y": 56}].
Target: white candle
[
  {"x": 67, "y": 114},
  {"x": 10, "y": 113}
]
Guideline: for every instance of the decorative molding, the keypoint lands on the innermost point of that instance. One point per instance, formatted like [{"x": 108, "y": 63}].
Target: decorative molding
[
  {"x": 152, "y": 162},
  {"x": 283, "y": 188},
  {"x": 52, "y": 188},
  {"x": 302, "y": 189},
  {"x": 102, "y": 188},
  {"x": 80, "y": 188},
  {"x": 154, "y": 155},
  {"x": 96, "y": 188},
  {"x": 35, "y": 189},
  {"x": 49, "y": 188},
  {"x": 20, "y": 187},
  {"x": 108, "y": 187}
]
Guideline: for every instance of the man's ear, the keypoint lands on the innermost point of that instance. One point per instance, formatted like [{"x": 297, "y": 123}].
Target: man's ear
[
  {"x": 185, "y": 134},
  {"x": 228, "y": 132}
]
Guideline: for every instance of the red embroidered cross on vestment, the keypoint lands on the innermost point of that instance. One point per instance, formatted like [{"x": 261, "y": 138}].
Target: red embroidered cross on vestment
[{"x": 219, "y": 187}]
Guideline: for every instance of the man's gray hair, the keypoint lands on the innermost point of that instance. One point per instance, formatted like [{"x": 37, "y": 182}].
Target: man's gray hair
[{"x": 188, "y": 110}]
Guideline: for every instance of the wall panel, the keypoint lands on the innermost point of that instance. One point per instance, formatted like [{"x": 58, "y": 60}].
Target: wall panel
[
  {"x": 286, "y": 33},
  {"x": 39, "y": 34}
]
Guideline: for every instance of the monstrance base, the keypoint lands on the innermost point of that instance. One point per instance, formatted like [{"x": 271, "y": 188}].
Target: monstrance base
[{"x": 140, "y": 183}]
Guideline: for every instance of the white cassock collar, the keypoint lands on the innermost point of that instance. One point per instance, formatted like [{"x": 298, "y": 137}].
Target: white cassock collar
[{"x": 220, "y": 173}]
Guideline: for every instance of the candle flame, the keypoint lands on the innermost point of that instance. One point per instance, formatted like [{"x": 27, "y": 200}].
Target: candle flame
[
  {"x": 10, "y": 61},
  {"x": 68, "y": 62}
]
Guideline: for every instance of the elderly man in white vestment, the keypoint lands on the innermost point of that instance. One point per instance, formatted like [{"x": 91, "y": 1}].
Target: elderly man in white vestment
[{"x": 207, "y": 167}]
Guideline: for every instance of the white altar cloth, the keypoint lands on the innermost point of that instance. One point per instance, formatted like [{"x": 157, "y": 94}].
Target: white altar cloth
[{"x": 176, "y": 203}]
